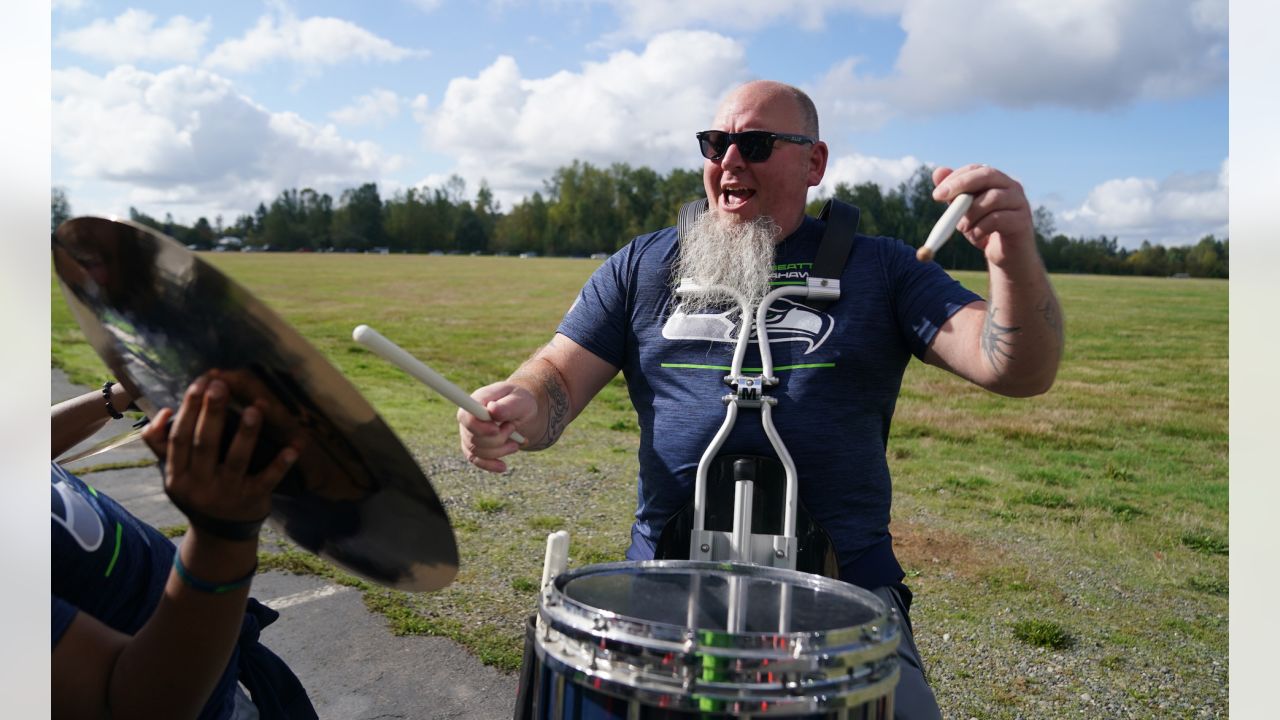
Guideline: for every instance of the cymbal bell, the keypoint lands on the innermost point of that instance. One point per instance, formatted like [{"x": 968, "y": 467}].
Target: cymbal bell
[{"x": 159, "y": 317}]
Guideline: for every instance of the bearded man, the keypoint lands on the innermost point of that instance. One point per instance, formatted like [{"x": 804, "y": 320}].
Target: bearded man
[{"x": 839, "y": 369}]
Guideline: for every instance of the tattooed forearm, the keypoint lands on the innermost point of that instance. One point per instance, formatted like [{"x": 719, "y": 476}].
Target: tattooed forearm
[
  {"x": 1052, "y": 315},
  {"x": 997, "y": 340},
  {"x": 557, "y": 411}
]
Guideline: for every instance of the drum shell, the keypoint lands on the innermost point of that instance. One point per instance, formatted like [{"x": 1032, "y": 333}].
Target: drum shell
[{"x": 598, "y": 663}]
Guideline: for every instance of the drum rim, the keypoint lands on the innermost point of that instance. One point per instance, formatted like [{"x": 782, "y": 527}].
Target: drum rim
[
  {"x": 661, "y": 655},
  {"x": 557, "y": 608}
]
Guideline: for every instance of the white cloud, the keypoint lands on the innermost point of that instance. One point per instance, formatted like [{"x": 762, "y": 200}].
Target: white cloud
[
  {"x": 185, "y": 137},
  {"x": 855, "y": 169},
  {"x": 1088, "y": 54},
  {"x": 419, "y": 106},
  {"x": 646, "y": 18},
  {"x": 375, "y": 108},
  {"x": 133, "y": 36},
  {"x": 1210, "y": 15},
  {"x": 640, "y": 109},
  {"x": 312, "y": 42},
  {"x": 67, "y": 5},
  {"x": 1178, "y": 210},
  {"x": 442, "y": 182},
  {"x": 850, "y": 102}
]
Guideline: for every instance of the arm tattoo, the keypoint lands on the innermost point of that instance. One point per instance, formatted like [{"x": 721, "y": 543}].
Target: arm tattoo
[
  {"x": 1049, "y": 309},
  {"x": 997, "y": 340},
  {"x": 557, "y": 411}
]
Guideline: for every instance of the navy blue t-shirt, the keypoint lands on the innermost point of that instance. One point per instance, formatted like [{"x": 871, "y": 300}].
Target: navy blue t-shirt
[
  {"x": 839, "y": 373},
  {"x": 112, "y": 566}
]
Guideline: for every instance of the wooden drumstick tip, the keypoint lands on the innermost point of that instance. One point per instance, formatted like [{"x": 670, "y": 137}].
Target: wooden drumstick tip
[{"x": 945, "y": 226}]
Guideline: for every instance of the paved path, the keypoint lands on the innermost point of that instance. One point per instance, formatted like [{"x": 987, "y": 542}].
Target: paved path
[{"x": 351, "y": 665}]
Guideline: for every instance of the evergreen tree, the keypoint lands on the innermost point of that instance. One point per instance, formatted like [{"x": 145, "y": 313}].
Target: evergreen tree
[{"x": 59, "y": 208}]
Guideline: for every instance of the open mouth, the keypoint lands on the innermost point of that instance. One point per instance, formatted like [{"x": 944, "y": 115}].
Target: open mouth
[{"x": 736, "y": 196}]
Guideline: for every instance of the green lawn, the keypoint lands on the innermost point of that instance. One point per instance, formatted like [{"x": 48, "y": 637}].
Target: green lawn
[{"x": 1085, "y": 529}]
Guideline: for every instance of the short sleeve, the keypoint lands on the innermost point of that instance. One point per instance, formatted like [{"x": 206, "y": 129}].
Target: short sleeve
[
  {"x": 597, "y": 320},
  {"x": 924, "y": 296}
]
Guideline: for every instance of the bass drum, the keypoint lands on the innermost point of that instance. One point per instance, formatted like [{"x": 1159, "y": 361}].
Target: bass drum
[{"x": 686, "y": 639}]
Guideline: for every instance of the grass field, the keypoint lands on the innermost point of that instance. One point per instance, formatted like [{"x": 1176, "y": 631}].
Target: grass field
[{"x": 1068, "y": 553}]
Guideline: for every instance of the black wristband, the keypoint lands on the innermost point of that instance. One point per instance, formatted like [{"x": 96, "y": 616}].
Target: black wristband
[
  {"x": 225, "y": 529},
  {"x": 106, "y": 395}
]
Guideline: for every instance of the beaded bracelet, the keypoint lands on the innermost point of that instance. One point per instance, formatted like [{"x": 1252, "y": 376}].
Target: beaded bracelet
[
  {"x": 208, "y": 587},
  {"x": 111, "y": 409},
  {"x": 106, "y": 395}
]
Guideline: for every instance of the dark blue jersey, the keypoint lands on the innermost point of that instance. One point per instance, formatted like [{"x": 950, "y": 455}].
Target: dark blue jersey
[
  {"x": 112, "y": 566},
  {"x": 839, "y": 373}
]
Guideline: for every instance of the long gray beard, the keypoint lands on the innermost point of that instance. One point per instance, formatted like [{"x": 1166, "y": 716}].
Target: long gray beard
[{"x": 719, "y": 251}]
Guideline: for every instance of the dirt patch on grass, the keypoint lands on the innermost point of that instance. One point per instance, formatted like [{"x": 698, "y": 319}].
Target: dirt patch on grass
[{"x": 920, "y": 547}]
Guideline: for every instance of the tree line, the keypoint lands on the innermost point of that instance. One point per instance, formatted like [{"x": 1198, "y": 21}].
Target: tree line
[
  {"x": 583, "y": 209},
  {"x": 910, "y": 212}
]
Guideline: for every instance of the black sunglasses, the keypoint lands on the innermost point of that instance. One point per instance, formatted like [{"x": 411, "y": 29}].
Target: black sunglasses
[{"x": 755, "y": 145}]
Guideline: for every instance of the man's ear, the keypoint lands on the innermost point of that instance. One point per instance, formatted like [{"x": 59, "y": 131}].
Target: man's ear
[{"x": 817, "y": 162}]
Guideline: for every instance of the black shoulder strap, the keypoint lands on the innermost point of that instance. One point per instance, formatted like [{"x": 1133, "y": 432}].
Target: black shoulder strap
[
  {"x": 689, "y": 212},
  {"x": 842, "y": 224}
]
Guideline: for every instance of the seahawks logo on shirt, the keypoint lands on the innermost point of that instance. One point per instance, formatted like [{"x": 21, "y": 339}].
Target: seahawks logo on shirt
[
  {"x": 786, "y": 321},
  {"x": 73, "y": 511}
]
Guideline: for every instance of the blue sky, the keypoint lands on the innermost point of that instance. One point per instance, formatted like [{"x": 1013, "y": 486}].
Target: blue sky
[{"x": 1112, "y": 115}]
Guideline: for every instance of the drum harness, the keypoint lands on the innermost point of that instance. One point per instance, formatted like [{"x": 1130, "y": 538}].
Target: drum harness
[{"x": 821, "y": 288}]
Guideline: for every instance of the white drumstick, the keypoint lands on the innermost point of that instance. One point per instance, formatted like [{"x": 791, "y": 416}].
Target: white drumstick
[
  {"x": 946, "y": 225},
  {"x": 397, "y": 356}
]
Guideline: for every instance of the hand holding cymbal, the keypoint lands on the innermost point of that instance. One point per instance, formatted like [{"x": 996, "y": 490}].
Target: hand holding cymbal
[{"x": 159, "y": 316}]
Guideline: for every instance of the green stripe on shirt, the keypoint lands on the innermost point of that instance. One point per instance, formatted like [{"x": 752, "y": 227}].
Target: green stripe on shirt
[{"x": 726, "y": 368}]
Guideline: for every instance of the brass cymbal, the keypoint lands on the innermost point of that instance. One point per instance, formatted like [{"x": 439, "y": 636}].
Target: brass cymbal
[{"x": 159, "y": 317}]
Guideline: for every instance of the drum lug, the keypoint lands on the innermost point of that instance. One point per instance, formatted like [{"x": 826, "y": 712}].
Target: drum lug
[
  {"x": 703, "y": 544},
  {"x": 690, "y": 643},
  {"x": 799, "y": 648}
]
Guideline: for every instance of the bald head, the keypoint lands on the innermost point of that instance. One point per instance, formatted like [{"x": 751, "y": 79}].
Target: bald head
[{"x": 767, "y": 91}]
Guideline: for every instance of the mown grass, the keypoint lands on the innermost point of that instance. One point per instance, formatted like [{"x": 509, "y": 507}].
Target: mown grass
[{"x": 1098, "y": 510}]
